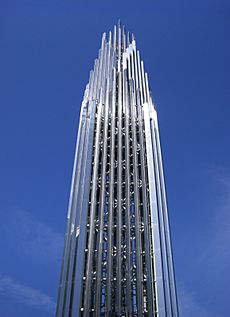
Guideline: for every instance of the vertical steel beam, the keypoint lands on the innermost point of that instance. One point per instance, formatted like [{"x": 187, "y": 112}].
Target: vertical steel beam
[
  {"x": 87, "y": 296},
  {"x": 157, "y": 264},
  {"x": 103, "y": 180},
  {"x": 70, "y": 215},
  {"x": 171, "y": 275},
  {"x": 136, "y": 194},
  {"x": 149, "y": 275},
  {"x": 119, "y": 199},
  {"x": 83, "y": 206},
  {"x": 127, "y": 190},
  {"x": 111, "y": 195},
  {"x": 161, "y": 225}
]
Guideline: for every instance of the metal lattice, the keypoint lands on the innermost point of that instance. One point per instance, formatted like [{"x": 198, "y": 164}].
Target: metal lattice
[{"x": 117, "y": 259}]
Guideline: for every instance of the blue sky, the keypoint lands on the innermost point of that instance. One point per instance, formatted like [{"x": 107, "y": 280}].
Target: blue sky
[{"x": 47, "y": 49}]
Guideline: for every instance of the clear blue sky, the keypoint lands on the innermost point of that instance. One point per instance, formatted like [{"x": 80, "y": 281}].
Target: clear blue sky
[{"x": 47, "y": 49}]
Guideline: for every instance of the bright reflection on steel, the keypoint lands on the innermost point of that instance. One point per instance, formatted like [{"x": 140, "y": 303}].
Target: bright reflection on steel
[{"x": 117, "y": 258}]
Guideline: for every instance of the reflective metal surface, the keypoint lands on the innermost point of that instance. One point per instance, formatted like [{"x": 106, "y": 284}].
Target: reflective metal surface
[{"x": 117, "y": 258}]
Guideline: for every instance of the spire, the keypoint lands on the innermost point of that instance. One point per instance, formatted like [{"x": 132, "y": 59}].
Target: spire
[{"x": 117, "y": 257}]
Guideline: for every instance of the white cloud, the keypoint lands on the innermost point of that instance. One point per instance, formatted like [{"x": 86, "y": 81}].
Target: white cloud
[
  {"x": 36, "y": 246},
  {"x": 189, "y": 305},
  {"x": 217, "y": 251},
  {"x": 210, "y": 262},
  {"x": 26, "y": 295},
  {"x": 30, "y": 237}
]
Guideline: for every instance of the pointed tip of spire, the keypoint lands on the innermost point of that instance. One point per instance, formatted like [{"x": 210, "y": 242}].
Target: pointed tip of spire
[
  {"x": 110, "y": 36},
  {"x": 103, "y": 39},
  {"x": 128, "y": 38},
  {"x": 114, "y": 28},
  {"x": 120, "y": 25},
  {"x": 115, "y": 36}
]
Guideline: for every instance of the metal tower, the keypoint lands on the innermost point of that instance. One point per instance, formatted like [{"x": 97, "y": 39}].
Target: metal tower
[{"x": 117, "y": 258}]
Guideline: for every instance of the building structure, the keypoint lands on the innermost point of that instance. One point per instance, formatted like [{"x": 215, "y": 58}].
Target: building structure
[{"x": 117, "y": 258}]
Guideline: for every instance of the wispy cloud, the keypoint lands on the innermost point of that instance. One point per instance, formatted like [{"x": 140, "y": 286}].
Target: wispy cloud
[
  {"x": 189, "y": 305},
  {"x": 26, "y": 295},
  {"x": 37, "y": 248},
  {"x": 210, "y": 259},
  {"x": 218, "y": 243},
  {"x": 30, "y": 237}
]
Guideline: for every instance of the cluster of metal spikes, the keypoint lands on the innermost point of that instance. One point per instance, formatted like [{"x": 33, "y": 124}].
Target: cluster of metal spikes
[{"x": 117, "y": 259}]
